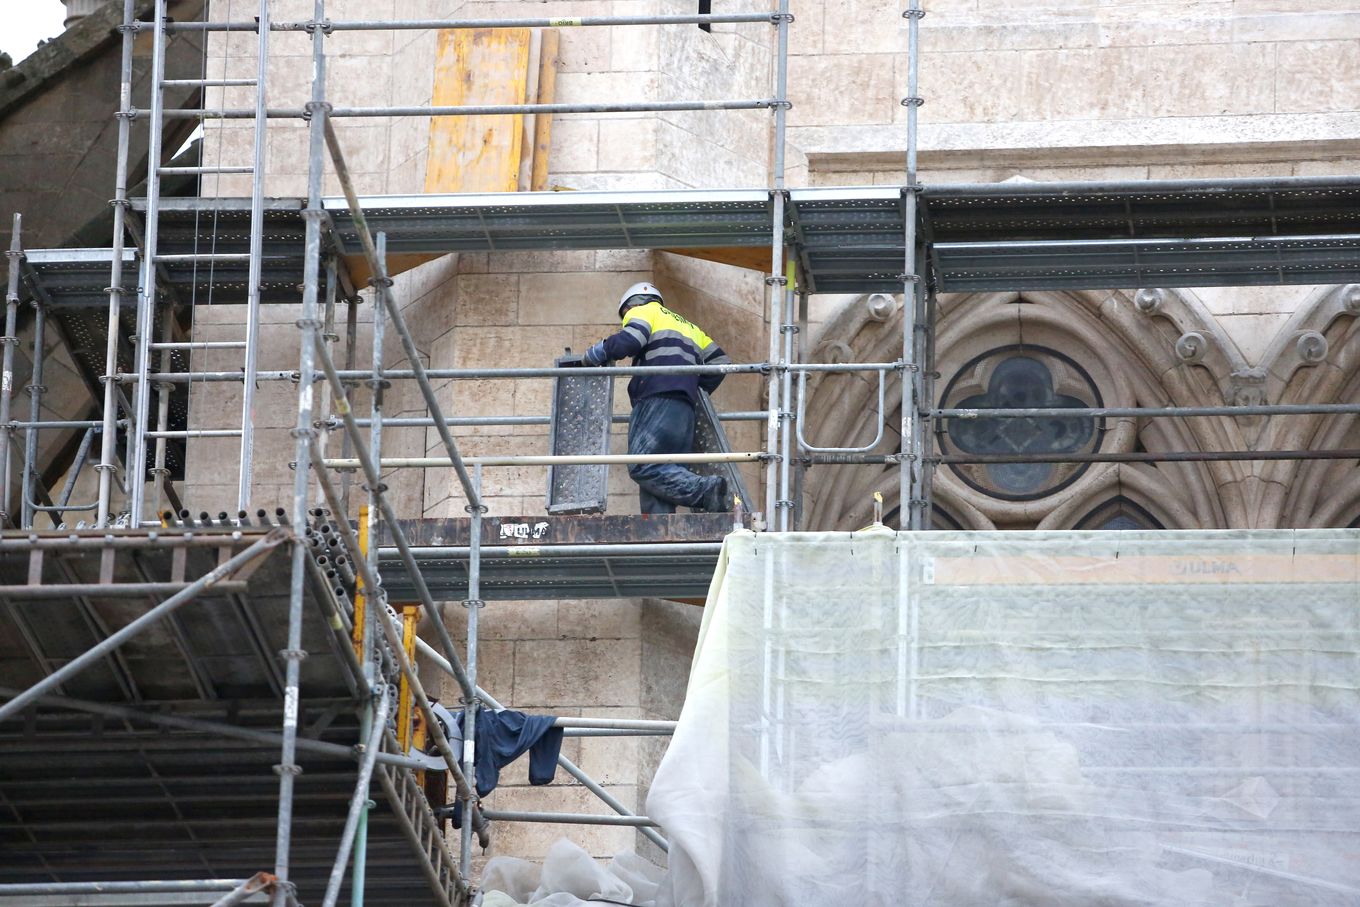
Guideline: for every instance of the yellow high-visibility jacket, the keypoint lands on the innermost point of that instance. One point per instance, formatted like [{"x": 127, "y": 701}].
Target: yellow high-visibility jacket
[{"x": 654, "y": 335}]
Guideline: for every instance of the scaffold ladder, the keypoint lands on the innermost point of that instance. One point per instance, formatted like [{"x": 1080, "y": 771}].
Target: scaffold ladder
[{"x": 153, "y": 261}]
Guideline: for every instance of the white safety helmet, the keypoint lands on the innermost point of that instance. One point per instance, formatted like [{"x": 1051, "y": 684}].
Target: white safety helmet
[{"x": 638, "y": 289}]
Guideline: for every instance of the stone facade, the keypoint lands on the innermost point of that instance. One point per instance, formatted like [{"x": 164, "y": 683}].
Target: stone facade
[
  {"x": 1049, "y": 90},
  {"x": 1109, "y": 91}
]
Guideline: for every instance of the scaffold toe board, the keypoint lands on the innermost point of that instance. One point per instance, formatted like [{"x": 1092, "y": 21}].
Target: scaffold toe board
[
  {"x": 848, "y": 240},
  {"x": 158, "y": 761},
  {"x": 563, "y": 556},
  {"x": 562, "y": 572}
]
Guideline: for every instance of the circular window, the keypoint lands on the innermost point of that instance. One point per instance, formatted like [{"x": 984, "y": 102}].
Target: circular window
[{"x": 1020, "y": 377}]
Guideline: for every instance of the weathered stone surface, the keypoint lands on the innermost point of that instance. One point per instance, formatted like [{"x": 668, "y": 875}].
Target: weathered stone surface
[
  {"x": 599, "y": 618},
  {"x": 532, "y": 840},
  {"x": 570, "y": 299},
  {"x": 576, "y": 672}
]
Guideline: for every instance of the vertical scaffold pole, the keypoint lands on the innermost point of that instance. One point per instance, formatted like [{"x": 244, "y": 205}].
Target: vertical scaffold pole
[
  {"x": 909, "y": 463},
  {"x": 35, "y": 393},
  {"x": 368, "y": 543},
  {"x": 256, "y": 263},
  {"x": 159, "y": 472},
  {"x": 330, "y": 337},
  {"x": 304, "y": 433},
  {"x": 351, "y": 347},
  {"x": 146, "y": 300},
  {"x": 800, "y": 474},
  {"x": 364, "y": 642},
  {"x": 10, "y": 340},
  {"x": 108, "y": 443},
  {"x": 928, "y": 404},
  {"x": 474, "y": 603},
  {"x": 775, "y": 422},
  {"x": 358, "y": 804},
  {"x": 788, "y": 327}
]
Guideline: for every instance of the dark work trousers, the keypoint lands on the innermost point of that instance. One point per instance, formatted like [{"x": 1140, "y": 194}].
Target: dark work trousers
[{"x": 664, "y": 424}]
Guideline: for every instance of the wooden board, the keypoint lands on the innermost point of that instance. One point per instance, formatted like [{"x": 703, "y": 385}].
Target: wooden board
[
  {"x": 478, "y": 153},
  {"x": 753, "y": 258},
  {"x": 482, "y": 153}
]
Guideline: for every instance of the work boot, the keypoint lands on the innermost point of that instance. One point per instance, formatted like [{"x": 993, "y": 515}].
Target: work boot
[{"x": 715, "y": 498}]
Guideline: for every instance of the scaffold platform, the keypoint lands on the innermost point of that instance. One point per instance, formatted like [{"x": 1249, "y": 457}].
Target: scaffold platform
[
  {"x": 159, "y": 761},
  {"x": 568, "y": 557},
  {"x": 1036, "y": 236}
]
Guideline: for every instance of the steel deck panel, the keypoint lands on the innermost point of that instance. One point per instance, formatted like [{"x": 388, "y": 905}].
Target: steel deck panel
[
  {"x": 849, "y": 239},
  {"x": 546, "y": 576}
]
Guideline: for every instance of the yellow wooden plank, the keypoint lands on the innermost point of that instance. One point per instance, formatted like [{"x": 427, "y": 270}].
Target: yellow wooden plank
[
  {"x": 360, "y": 273},
  {"x": 360, "y": 600},
  {"x": 753, "y": 258},
  {"x": 547, "y": 92},
  {"x": 478, "y": 153},
  {"x": 527, "y": 144},
  {"x": 410, "y": 614}
]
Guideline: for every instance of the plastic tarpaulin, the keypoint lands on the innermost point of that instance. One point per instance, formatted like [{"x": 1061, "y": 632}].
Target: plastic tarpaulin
[
  {"x": 1021, "y": 718},
  {"x": 1130, "y": 718}
]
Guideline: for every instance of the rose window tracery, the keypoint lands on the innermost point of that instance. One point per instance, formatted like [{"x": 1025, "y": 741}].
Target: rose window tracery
[{"x": 1020, "y": 378}]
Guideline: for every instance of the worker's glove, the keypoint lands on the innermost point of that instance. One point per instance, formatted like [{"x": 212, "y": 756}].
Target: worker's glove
[{"x": 596, "y": 355}]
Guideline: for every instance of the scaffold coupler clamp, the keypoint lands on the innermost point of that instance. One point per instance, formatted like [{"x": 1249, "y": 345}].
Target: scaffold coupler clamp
[
  {"x": 913, "y": 13},
  {"x": 312, "y": 107}
]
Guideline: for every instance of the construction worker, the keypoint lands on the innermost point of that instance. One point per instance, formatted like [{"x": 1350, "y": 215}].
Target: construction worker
[{"x": 663, "y": 404}]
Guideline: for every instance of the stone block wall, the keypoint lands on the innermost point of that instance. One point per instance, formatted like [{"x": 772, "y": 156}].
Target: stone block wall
[{"x": 1089, "y": 89}]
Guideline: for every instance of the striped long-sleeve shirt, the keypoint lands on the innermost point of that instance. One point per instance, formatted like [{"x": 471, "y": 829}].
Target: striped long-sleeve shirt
[{"x": 654, "y": 335}]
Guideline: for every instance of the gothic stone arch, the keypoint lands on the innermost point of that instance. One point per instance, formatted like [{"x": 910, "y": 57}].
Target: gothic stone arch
[{"x": 1149, "y": 348}]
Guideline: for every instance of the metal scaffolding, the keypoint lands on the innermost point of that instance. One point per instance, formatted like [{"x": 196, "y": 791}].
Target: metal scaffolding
[{"x": 343, "y": 581}]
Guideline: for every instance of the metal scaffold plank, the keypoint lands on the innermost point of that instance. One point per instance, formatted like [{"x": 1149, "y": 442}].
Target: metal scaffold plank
[{"x": 1034, "y": 236}]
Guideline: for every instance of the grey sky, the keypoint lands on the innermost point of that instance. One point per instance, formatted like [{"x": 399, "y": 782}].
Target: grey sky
[{"x": 26, "y": 23}]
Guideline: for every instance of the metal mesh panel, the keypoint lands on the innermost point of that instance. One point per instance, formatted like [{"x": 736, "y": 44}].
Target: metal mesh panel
[{"x": 581, "y": 409}]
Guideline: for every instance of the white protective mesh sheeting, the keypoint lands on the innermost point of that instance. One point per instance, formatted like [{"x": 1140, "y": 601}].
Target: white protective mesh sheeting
[{"x": 1021, "y": 718}]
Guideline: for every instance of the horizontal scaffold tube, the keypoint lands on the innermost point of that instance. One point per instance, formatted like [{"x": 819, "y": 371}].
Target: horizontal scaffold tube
[
  {"x": 553, "y": 460},
  {"x": 445, "y": 24},
  {"x": 469, "y": 421},
  {"x": 677, "y": 549},
  {"x": 149, "y": 886},
  {"x": 1153, "y": 412},
  {"x": 1173, "y": 456},
  {"x": 628, "y": 724},
  {"x": 473, "y": 110},
  {"x": 110, "y": 590},
  {"x": 55, "y": 423},
  {"x": 214, "y": 728},
  {"x": 484, "y": 374},
  {"x": 611, "y": 732},
  {"x": 569, "y": 818},
  {"x": 195, "y": 538}
]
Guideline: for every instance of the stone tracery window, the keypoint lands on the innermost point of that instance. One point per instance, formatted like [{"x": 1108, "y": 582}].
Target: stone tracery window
[
  {"x": 1020, "y": 377},
  {"x": 1119, "y": 513}
]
